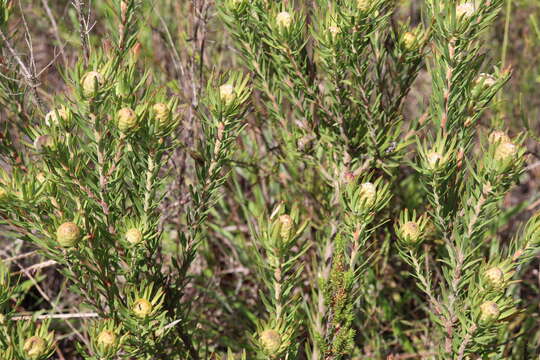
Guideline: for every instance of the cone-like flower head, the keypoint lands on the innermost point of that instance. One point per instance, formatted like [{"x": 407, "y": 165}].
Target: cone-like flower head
[{"x": 68, "y": 234}]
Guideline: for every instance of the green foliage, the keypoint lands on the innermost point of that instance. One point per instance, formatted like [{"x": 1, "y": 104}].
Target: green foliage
[{"x": 254, "y": 180}]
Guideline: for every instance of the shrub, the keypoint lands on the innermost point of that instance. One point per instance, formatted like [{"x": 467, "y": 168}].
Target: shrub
[{"x": 266, "y": 192}]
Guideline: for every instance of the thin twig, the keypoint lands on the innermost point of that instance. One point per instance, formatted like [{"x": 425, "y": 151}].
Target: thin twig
[
  {"x": 29, "y": 78},
  {"x": 56, "y": 316},
  {"x": 83, "y": 29},
  {"x": 21, "y": 256},
  {"x": 34, "y": 267},
  {"x": 54, "y": 26}
]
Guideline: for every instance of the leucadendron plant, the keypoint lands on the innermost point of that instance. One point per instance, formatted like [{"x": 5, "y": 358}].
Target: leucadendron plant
[
  {"x": 87, "y": 191},
  {"x": 256, "y": 179}
]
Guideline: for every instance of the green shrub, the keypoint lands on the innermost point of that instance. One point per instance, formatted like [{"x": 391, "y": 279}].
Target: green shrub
[{"x": 253, "y": 180}]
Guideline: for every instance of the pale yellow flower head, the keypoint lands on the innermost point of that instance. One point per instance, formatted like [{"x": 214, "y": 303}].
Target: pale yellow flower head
[
  {"x": 286, "y": 223},
  {"x": 142, "y": 307},
  {"x": 498, "y": 137},
  {"x": 486, "y": 80},
  {"x": 284, "y": 19},
  {"x": 434, "y": 159},
  {"x": 334, "y": 30},
  {"x": 410, "y": 231},
  {"x": 368, "y": 193},
  {"x": 34, "y": 347},
  {"x": 505, "y": 151},
  {"x": 91, "y": 82},
  {"x": 68, "y": 234},
  {"x": 363, "y": 5},
  {"x": 134, "y": 236},
  {"x": 162, "y": 113},
  {"x": 409, "y": 40},
  {"x": 127, "y": 120},
  {"x": 489, "y": 311},
  {"x": 494, "y": 276},
  {"x": 106, "y": 338},
  {"x": 227, "y": 93},
  {"x": 270, "y": 340}
]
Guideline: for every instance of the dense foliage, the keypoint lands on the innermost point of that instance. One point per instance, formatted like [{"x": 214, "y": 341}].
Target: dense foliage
[{"x": 257, "y": 179}]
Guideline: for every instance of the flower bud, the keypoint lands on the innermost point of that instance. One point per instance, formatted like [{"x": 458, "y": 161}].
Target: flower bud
[
  {"x": 368, "y": 194},
  {"x": 127, "y": 120},
  {"x": 68, "y": 234},
  {"x": 270, "y": 340},
  {"x": 106, "y": 338},
  {"x": 363, "y": 5},
  {"x": 482, "y": 83},
  {"x": 494, "y": 276},
  {"x": 91, "y": 82},
  {"x": 284, "y": 19},
  {"x": 3, "y": 193},
  {"x": 34, "y": 347},
  {"x": 334, "y": 30},
  {"x": 162, "y": 115},
  {"x": 54, "y": 116},
  {"x": 134, "y": 236},
  {"x": 227, "y": 93},
  {"x": 410, "y": 231},
  {"x": 409, "y": 40},
  {"x": 434, "y": 160},
  {"x": 489, "y": 311},
  {"x": 465, "y": 10},
  {"x": 142, "y": 307},
  {"x": 505, "y": 151},
  {"x": 498, "y": 137},
  {"x": 485, "y": 80},
  {"x": 286, "y": 224}
]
